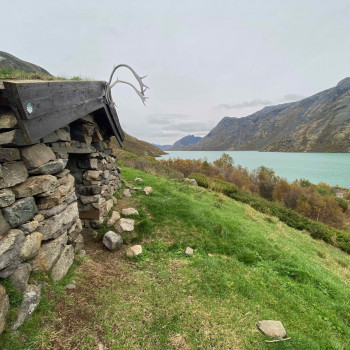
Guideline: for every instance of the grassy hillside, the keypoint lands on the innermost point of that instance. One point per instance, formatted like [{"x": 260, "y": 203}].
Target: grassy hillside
[
  {"x": 141, "y": 148},
  {"x": 247, "y": 267}
]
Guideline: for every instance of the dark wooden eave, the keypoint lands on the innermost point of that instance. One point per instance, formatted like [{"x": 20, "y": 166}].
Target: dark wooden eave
[{"x": 42, "y": 107}]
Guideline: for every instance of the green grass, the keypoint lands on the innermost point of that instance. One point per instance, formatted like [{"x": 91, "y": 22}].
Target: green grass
[
  {"x": 258, "y": 268},
  {"x": 7, "y": 73}
]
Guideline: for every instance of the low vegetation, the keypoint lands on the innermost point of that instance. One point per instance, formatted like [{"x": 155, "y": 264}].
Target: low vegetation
[
  {"x": 247, "y": 266},
  {"x": 7, "y": 73}
]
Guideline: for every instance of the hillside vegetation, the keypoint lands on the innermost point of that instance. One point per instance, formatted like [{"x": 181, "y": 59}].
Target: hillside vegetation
[
  {"x": 246, "y": 267},
  {"x": 141, "y": 148},
  {"x": 320, "y": 123}
]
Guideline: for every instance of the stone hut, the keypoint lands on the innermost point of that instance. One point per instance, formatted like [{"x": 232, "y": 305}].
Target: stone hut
[{"x": 57, "y": 176}]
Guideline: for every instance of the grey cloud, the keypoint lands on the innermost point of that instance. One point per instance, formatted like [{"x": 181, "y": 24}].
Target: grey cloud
[
  {"x": 292, "y": 97},
  {"x": 253, "y": 103}
]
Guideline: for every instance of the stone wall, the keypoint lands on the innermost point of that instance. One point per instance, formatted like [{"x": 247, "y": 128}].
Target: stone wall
[{"x": 49, "y": 193}]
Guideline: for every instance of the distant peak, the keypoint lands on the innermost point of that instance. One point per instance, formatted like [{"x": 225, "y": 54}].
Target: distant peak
[{"x": 344, "y": 83}]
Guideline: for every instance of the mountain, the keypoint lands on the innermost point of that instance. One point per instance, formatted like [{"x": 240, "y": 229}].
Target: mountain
[
  {"x": 320, "y": 123},
  {"x": 183, "y": 143},
  {"x": 8, "y": 61},
  {"x": 163, "y": 147},
  {"x": 141, "y": 148}
]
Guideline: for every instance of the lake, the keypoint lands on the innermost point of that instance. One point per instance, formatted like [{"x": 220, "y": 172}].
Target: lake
[{"x": 331, "y": 168}]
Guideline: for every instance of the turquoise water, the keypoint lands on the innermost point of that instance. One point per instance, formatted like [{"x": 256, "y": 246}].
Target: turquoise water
[{"x": 331, "y": 168}]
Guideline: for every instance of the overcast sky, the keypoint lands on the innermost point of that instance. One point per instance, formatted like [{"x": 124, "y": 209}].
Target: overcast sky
[{"x": 204, "y": 59}]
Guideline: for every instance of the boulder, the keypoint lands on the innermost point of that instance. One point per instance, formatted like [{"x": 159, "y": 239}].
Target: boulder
[
  {"x": 64, "y": 262},
  {"x": 78, "y": 243},
  {"x": 9, "y": 154},
  {"x": 189, "y": 251},
  {"x": 49, "y": 253},
  {"x": 126, "y": 193},
  {"x": 37, "y": 155},
  {"x": 193, "y": 181},
  {"x": 35, "y": 185},
  {"x": 31, "y": 300},
  {"x": 8, "y": 120},
  {"x": 148, "y": 190},
  {"x": 4, "y": 307},
  {"x": 4, "y": 226},
  {"x": 57, "y": 224},
  {"x": 10, "y": 247},
  {"x": 113, "y": 219},
  {"x": 29, "y": 227},
  {"x": 31, "y": 245},
  {"x": 134, "y": 251},
  {"x": 20, "y": 211},
  {"x": 52, "y": 167},
  {"x": 129, "y": 211},
  {"x": 13, "y": 174},
  {"x": 273, "y": 329},
  {"x": 125, "y": 225},
  {"x": 7, "y": 197},
  {"x": 112, "y": 241},
  {"x": 13, "y": 138},
  {"x": 20, "y": 277}
]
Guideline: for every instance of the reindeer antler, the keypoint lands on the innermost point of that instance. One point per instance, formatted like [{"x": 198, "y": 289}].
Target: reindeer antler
[{"x": 140, "y": 93}]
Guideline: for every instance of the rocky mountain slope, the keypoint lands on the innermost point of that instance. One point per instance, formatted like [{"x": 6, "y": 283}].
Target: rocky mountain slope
[
  {"x": 184, "y": 142},
  {"x": 139, "y": 147},
  {"x": 8, "y": 61},
  {"x": 320, "y": 123}
]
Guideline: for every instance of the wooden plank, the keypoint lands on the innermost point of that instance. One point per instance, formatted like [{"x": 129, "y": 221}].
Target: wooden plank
[
  {"x": 41, "y": 126},
  {"x": 44, "y": 97},
  {"x": 118, "y": 133}
]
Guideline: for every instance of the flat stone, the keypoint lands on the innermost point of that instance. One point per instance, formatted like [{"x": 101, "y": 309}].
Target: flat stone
[
  {"x": 148, "y": 190},
  {"x": 109, "y": 204},
  {"x": 30, "y": 226},
  {"x": 62, "y": 173},
  {"x": 138, "y": 179},
  {"x": 92, "y": 174},
  {"x": 13, "y": 174},
  {"x": 125, "y": 225},
  {"x": 20, "y": 211},
  {"x": 112, "y": 241},
  {"x": 54, "y": 210},
  {"x": 89, "y": 190},
  {"x": 52, "y": 167},
  {"x": 10, "y": 247},
  {"x": 31, "y": 300},
  {"x": 134, "y": 251},
  {"x": 113, "y": 219},
  {"x": 7, "y": 197},
  {"x": 13, "y": 138},
  {"x": 31, "y": 245},
  {"x": 115, "y": 200},
  {"x": 129, "y": 211},
  {"x": 37, "y": 155},
  {"x": 9, "y": 154},
  {"x": 8, "y": 120},
  {"x": 35, "y": 185},
  {"x": 38, "y": 217},
  {"x": 88, "y": 163},
  {"x": 126, "y": 193},
  {"x": 4, "y": 307},
  {"x": 70, "y": 286},
  {"x": 20, "y": 277},
  {"x": 89, "y": 199},
  {"x": 81, "y": 253},
  {"x": 4, "y": 226},
  {"x": 49, "y": 253},
  {"x": 189, "y": 251},
  {"x": 78, "y": 243},
  {"x": 89, "y": 233},
  {"x": 57, "y": 224},
  {"x": 273, "y": 329},
  {"x": 64, "y": 262}
]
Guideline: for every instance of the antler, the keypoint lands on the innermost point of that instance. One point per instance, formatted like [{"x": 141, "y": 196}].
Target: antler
[{"x": 140, "y": 93}]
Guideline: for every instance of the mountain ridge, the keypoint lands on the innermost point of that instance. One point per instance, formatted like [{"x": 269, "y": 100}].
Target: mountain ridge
[{"x": 319, "y": 123}]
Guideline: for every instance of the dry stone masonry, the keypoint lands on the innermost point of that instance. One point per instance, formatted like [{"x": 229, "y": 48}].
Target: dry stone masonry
[{"x": 50, "y": 193}]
